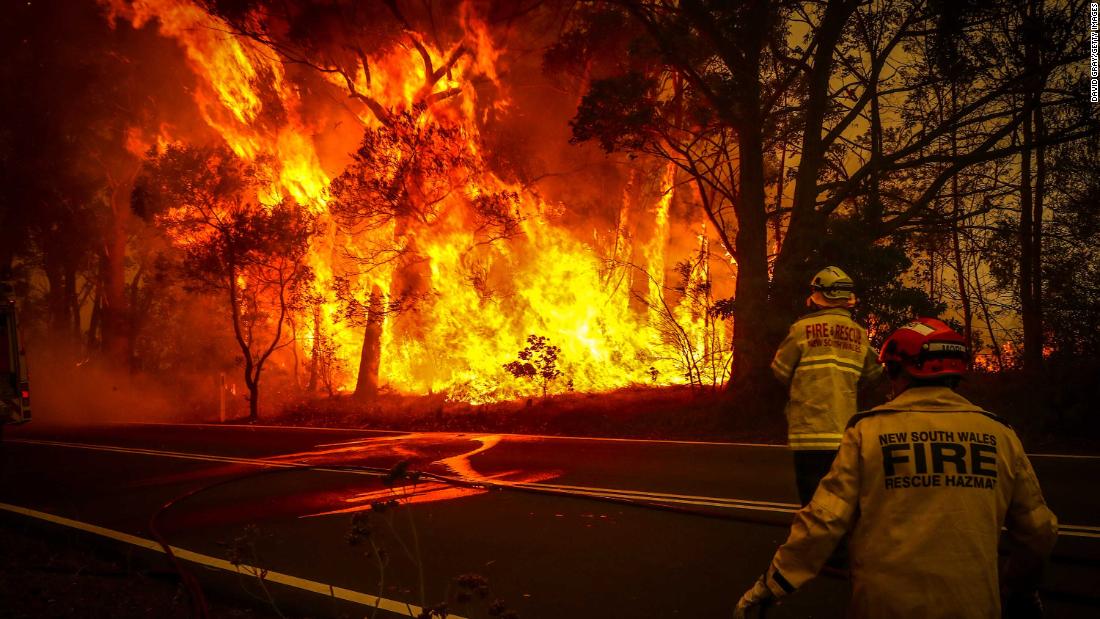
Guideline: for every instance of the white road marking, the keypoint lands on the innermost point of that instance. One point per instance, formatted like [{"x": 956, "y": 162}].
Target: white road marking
[
  {"x": 400, "y": 608},
  {"x": 1077, "y": 530},
  {"x": 661, "y": 498},
  {"x": 545, "y": 436},
  {"x": 581, "y": 490},
  {"x": 636, "y": 495},
  {"x": 542, "y": 436},
  {"x": 189, "y": 456}
]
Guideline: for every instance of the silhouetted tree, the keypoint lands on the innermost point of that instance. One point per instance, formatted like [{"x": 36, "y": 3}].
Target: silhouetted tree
[
  {"x": 205, "y": 198},
  {"x": 537, "y": 361}
]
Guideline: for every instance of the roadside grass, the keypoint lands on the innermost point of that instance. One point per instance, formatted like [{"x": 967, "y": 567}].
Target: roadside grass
[
  {"x": 46, "y": 573},
  {"x": 675, "y": 413}
]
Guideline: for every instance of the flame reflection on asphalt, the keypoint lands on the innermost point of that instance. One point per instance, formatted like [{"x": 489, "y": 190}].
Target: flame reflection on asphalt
[
  {"x": 448, "y": 455},
  {"x": 459, "y": 465}
]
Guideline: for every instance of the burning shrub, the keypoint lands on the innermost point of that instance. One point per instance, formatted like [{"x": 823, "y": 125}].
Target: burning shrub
[{"x": 537, "y": 361}]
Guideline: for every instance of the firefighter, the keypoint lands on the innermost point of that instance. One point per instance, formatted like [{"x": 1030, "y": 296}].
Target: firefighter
[
  {"x": 822, "y": 360},
  {"x": 923, "y": 484}
]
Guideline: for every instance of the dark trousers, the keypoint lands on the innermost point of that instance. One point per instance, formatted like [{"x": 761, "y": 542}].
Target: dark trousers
[{"x": 810, "y": 466}]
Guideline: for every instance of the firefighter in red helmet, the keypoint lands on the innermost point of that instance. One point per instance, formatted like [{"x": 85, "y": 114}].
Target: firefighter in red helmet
[{"x": 923, "y": 484}]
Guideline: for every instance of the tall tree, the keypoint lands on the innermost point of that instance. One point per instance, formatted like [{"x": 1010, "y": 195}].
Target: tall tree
[
  {"x": 1032, "y": 32},
  {"x": 252, "y": 254},
  {"x": 403, "y": 170},
  {"x": 402, "y": 178}
]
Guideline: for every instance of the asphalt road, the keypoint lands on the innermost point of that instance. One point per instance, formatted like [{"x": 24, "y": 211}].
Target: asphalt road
[{"x": 557, "y": 527}]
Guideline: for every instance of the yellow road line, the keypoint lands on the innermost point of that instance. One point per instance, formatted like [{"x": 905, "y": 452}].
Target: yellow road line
[{"x": 349, "y": 595}]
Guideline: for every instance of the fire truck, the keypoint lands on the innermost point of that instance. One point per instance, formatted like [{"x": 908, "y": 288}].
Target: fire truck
[{"x": 15, "y": 389}]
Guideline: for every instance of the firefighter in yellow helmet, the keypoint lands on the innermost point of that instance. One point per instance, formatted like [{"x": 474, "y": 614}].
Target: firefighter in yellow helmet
[
  {"x": 822, "y": 360},
  {"x": 924, "y": 485}
]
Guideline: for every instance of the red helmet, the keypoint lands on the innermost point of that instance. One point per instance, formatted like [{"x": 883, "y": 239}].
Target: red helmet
[{"x": 926, "y": 348}]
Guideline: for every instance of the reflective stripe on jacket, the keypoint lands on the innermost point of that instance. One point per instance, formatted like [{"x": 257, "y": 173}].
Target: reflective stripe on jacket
[
  {"x": 822, "y": 359},
  {"x": 924, "y": 484}
]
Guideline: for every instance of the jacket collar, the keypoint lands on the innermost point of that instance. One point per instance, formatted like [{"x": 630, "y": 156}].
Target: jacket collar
[
  {"x": 932, "y": 399},
  {"x": 826, "y": 311}
]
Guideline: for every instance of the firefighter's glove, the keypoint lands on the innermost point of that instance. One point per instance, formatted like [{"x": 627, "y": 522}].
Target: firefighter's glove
[
  {"x": 759, "y": 597},
  {"x": 1023, "y": 605}
]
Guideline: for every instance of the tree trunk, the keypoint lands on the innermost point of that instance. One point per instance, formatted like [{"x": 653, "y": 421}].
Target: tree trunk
[
  {"x": 315, "y": 354},
  {"x": 92, "y": 336},
  {"x": 367, "y": 383},
  {"x": 56, "y": 302},
  {"x": 960, "y": 274},
  {"x": 294, "y": 352},
  {"x": 753, "y": 352},
  {"x": 243, "y": 341},
  {"x": 1031, "y": 211},
  {"x": 72, "y": 303},
  {"x": 956, "y": 212},
  {"x": 1038, "y": 342},
  {"x": 872, "y": 215},
  {"x": 1032, "y": 349},
  {"x": 116, "y": 323},
  {"x": 777, "y": 219},
  {"x": 979, "y": 295},
  {"x": 931, "y": 240},
  {"x": 806, "y": 223},
  {"x": 253, "y": 400}
]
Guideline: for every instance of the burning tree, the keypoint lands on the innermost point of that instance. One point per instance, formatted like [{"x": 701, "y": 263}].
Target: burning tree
[
  {"x": 206, "y": 201},
  {"x": 537, "y": 361},
  {"x": 404, "y": 176},
  {"x": 425, "y": 197},
  {"x": 416, "y": 162}
]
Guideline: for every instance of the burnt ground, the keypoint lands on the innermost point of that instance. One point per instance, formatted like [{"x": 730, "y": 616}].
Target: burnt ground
[
  {"x": 53, "y": 573},
  {"x": 1053, "y": 412}
]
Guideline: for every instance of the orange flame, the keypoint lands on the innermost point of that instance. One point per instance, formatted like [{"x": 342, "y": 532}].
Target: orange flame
[{"x": 545, "y": 282}]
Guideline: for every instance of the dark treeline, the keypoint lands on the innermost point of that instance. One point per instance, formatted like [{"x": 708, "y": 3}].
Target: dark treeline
[
  {"x": 890, "y": 137},
  {"x": 944, "y": 153}
]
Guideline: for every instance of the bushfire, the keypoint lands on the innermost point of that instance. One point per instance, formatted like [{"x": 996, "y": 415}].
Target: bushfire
[{"x": 431, "y": 270}]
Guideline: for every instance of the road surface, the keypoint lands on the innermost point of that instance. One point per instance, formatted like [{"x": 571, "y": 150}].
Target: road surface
[{"x": 558, "y": 527}]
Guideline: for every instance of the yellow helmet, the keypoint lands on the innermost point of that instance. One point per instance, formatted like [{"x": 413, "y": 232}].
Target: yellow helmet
[{"x": 833, "y": 285}]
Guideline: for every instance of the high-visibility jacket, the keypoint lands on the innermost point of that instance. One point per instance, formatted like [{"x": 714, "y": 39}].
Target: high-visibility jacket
[
  {"x": 822, "y": 359},
  {"x": 924, "y": 484}
]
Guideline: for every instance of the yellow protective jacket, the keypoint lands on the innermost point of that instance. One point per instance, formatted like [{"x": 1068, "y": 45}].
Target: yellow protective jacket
[
  {"x": 822, "y": 359},
  {"x": 924, "y": 484}
]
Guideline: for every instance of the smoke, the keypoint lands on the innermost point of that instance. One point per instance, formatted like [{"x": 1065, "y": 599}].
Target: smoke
[{"x": 64, "y": 391}]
